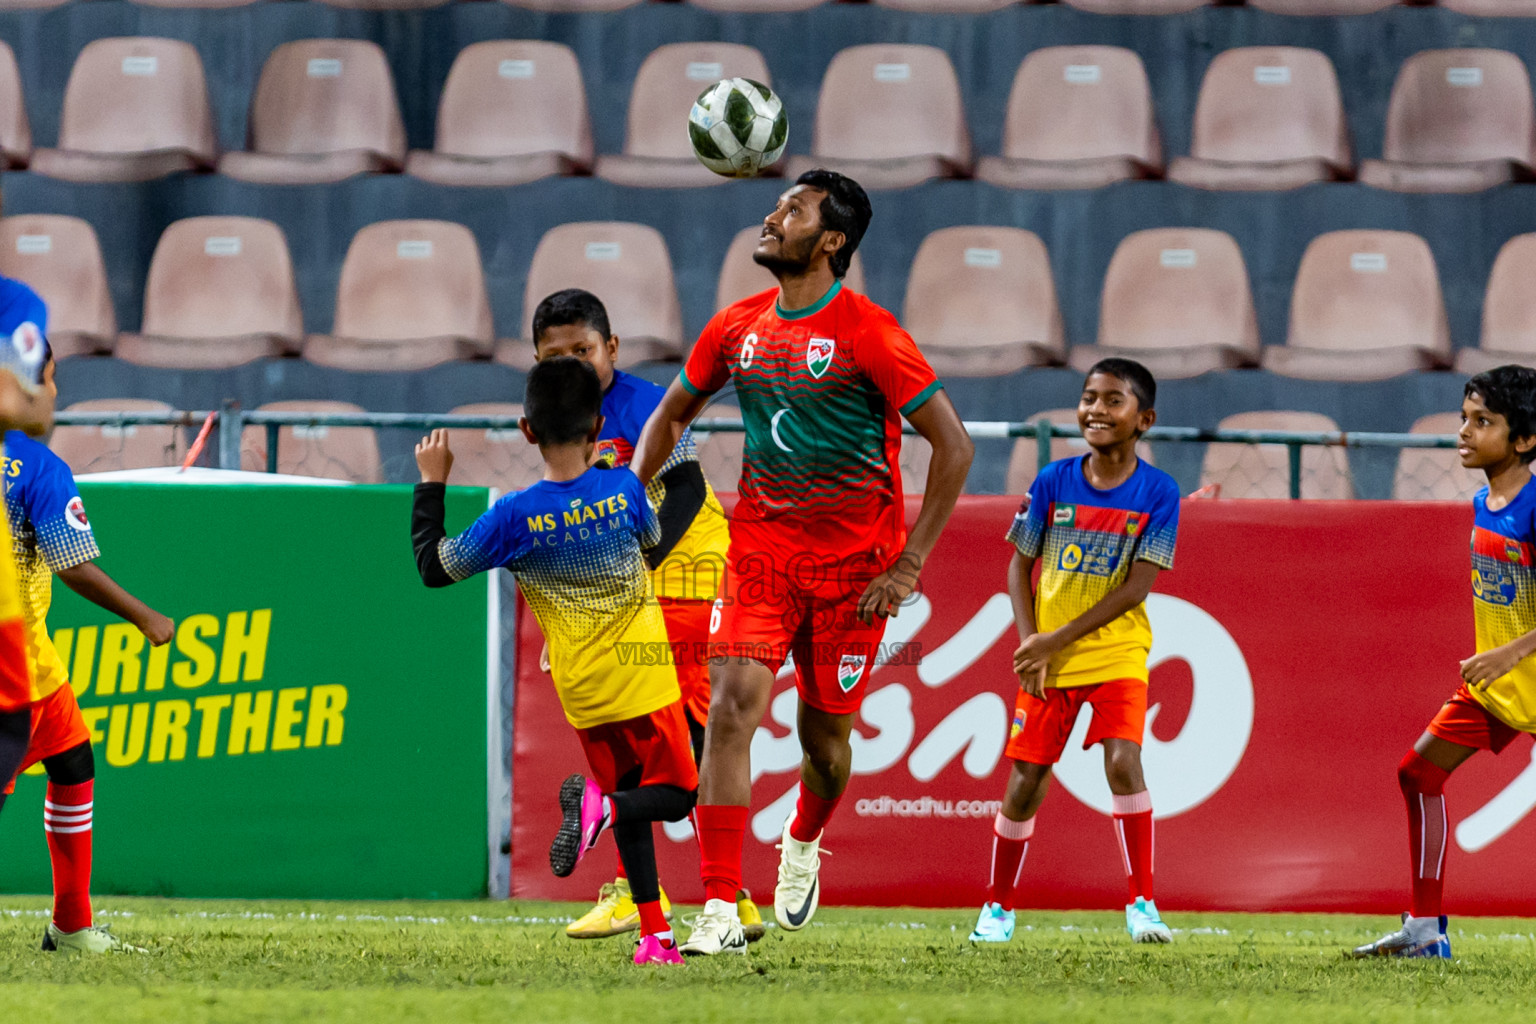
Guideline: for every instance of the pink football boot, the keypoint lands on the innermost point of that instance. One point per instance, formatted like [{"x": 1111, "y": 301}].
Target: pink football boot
[
  {"x": 653, "y": 951},
  {"x": 582, "y": 821}
]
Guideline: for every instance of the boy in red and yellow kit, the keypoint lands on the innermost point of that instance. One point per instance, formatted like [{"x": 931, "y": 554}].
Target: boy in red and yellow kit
[{"x": 1101, "y": 526}]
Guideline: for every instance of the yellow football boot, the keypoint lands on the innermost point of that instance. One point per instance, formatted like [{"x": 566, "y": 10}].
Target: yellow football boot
[
  {"x": 751, "y": 919},
  {"x": 614, "y": 913}
]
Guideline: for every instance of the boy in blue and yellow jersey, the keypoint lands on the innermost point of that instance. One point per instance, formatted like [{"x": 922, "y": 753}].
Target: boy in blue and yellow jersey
[
  {"x": 52, "y": 536},
  {"x": 1102, "y": 527},
  {"x": 686, "y": 564},
  {"x": 1496, "y": 700},
  {"x": 575, "y": 542}
]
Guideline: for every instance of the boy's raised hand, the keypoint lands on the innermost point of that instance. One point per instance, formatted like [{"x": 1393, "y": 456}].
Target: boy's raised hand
[{"x": 434, "y": 458}]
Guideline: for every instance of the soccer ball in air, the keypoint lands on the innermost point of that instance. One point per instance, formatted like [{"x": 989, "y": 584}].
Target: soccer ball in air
[{"x": 738, "y": 127}]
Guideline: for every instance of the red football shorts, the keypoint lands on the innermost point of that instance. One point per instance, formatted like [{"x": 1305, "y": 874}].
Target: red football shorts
[
  {"x": 1463, "y": 720},
  {"x": 657, "y": 744},
  {"x": 15, "y": 671},
  {"x": 769, "y": 610},
  {"x": 57, "y": 726},
  {"x": 1041, "y": 727},
  {"x": 688, "y": 633}
]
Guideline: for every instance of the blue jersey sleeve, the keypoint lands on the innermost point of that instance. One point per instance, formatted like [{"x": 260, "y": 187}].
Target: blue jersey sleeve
[
  {"x": 1161, "y": 531},
  {"x": 1027, "y": 534},
  {"x": 636, "y": 400},
  {"x": 52, "y": 504},
  {"x": 497, "y": 538}
]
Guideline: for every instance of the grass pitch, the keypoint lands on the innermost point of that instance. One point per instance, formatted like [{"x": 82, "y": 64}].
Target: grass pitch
[{"x": 235, "y": 961}]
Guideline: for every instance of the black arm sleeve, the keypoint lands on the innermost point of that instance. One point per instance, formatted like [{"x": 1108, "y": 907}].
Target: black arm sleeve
[
  {"x": 426, "y": 530},
  {"x": 685, "y": 496}
]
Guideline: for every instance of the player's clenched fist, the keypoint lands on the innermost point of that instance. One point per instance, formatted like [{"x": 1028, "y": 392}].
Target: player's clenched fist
[
  {"x": 159, "y": 629},
  {"x": 434, "y": 458}
]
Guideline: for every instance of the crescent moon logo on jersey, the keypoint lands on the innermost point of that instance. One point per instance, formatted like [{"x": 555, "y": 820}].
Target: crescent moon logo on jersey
[
  {"x": 818, "y": 355},
  {"x": 773, "y": 430},
  {"x": 74, "y": 514}
]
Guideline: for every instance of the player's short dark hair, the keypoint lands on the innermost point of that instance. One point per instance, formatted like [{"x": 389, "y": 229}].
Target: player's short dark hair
[
  {"x": 1143, "y": 384},
  {"x": 571, "y": 306},
  {"x": 562, "y": 400},
  {"x": 1509, "y": 391},
  {"x": 846, "y": 208}
]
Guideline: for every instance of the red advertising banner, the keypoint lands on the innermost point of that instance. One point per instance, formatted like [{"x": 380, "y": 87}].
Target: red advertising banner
[{"x": 1300, "y": 648}]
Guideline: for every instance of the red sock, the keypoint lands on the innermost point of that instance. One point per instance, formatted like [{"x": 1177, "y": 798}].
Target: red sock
[
  {"x": 1133, "y": 826},
  {"x": 1423, "y": 786},
  {"x": 67, "y": 821},
  {"x": 1010, "y": 841},
  {"x": 811, "y": 814},
  {"x": 619, "y": 873},
  {"x": 652, "y": 920},
  {"x": 721, "y": 828}
]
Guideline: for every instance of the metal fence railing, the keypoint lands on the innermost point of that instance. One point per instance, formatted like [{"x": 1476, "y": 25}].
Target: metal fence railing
[{"x": 228, "y": 426}]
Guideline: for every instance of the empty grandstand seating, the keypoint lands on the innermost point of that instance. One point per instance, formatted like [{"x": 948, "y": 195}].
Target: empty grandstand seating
[
  {"x": 386, "y": 5},
  {"x": 1177, "y": 300},
  {"x": 1263, "y": 470},
  {"x": 112, "y": 448},
  {"x": 720, "y": 453},
  {"x": 946, "y": 6},
  {"x": 324, "y": 110},
  {"x": 220, "y": 293},
  {"x": 334, "y": 453},
  {"x": 578, "y": 6},
  {"x": 1268, "y": 117},
  {"x": 890, "y": 116},
  {"x": 1138, "y": 6},
  {"x": 1366, "y": 306},
  {"x": 627, "y": 267},
  {"x": 61, "y": 259},
  {"x": 134, "y": 109},
  {"x": 1435, "y": 474},
  {"x": 981, "y": 301},
  {"x": 193, "y": 3},
  {"x": 1315, "y": 8},
  {"x": 657, "y": 153},
  {"x": 511, "y": 112},
  {"x": 412, "y": 294},
  {"x": 1078, "y": 117},
  {"x": 1489, "y": 8},
  {"x": 756, "y": 6},
  {"x": 1509, "y": 311},
  {"x": 1023, "y": 461},
  {"x": 15, "y": 129},
  {"x": 1459, "y": 121},
  {"x": 500, "y": 458},
  {"x": 740, "y": 277},
  {"x": 916, "y": 454}
]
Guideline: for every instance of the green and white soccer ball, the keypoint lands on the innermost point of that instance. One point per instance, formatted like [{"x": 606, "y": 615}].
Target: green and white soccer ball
[{"x": 738, "y": 127}]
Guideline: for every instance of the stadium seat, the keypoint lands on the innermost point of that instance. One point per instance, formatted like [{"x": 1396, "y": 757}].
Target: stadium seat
[
  {"x": 740, "y": 277},
  {"x": 192, "y": 3},
  {"x": 220, "y": 293},
  {"x": 756, "y": 6},
  {"x": 946, "y": 6},
  {"x": 1458, "y": 121},
  {"x": 1023, "y": 462},
  {"x": 1321, "y": 8},
  {"x": 1268, "y": 117},
  {"x": 385, "y": 5},
  {"x": 625, "y": 265},
  {"x": 135, "y": 109},
  {"x": 334, "y": 453},
  {"x": 1138, "y": 6},
  {"x": 1435, "y": 474},
  {"x": 324, "y": 110},
  {"x": 890, "y": 116},
  {"x": 15, "y": 129},
  {"x": 981, "y": 302},
  {"x": 412, "y": 295},
  {"x": 1263, "y": 470},
  {"x": 657, "y": 153},
  {"x": 30, "y": 5},
  {"x": 1177, "y": 300},
  {"x": 1489, "y": 8},
  {"x": 108, "y": 449},
  {"x": 721, "y": 453},
  {"x": 916, "y": 454},
  {"x": 1366, "y": 306},
  {"x": 1509, "y": 311},
  {"x": 502, "y": 459},
  {"x": 61, "y": 259},
  {"x": 511, "y": 112},
  {"x": 1078, "y": 117},
  {"x": 573, "y": 6}
]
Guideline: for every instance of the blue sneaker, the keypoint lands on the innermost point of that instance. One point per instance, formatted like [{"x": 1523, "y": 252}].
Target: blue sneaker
[
  {"x": 1418, "y": 937},
  {"x": 1144, "y": 924},
  {"x": 994, "y": 925}
]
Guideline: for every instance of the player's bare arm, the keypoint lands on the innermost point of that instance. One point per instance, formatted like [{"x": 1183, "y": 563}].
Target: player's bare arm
[
  {"x": 1037, "y": 650},
  {"x": 937, "y": 423},
  {"x": 1485, "y": 667},
  {"x": 434, "y": 458},
  {"x": 1021, "y": 592},
  {"x": 91, "y": 582},
  {"x": 24, "y": 410},
  {"x": 679, "y": 407}
]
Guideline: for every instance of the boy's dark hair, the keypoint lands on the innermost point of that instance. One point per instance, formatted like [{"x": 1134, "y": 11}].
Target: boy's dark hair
[
  {"x": 1143, "y": 384},
  {"x": 846, "y": 208},
  {"x": 1509, "y": 391},
  {"x": 562, "y": 400},
  {"x": 571, "y": 306}
]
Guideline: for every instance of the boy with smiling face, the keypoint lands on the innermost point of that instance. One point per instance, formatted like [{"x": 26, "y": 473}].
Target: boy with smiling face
[{"x": 1101, "y": 526}]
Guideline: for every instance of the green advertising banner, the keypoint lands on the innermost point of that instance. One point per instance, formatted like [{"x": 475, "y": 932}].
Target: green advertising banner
[{"x": 317, "y": 728}]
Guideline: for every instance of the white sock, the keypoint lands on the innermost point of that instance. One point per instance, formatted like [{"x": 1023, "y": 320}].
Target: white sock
[{"x": 1423, "y": 929}]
